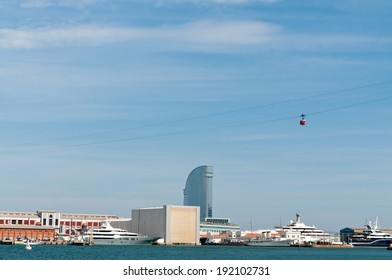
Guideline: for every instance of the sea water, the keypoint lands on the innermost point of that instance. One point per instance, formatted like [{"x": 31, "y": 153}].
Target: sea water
[{"x": 148, "y": 252}]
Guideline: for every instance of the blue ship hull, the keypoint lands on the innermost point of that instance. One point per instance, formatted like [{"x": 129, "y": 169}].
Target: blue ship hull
[{"x": 372, "y": 243}]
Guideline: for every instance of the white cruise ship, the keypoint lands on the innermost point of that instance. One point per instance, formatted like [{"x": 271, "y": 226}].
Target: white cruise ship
[
  {"x": 107, "y": 235},
  {"x": 302, "y": 234}
]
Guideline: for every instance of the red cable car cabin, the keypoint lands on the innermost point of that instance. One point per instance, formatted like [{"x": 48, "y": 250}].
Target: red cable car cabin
[{"x": 302, "y": 121}]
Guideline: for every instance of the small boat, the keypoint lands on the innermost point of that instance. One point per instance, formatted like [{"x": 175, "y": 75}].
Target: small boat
[
  {"x": 78, "y": 241},
  {"x": 6, "y": 242},
  {"x": 390, "y": 246},
  {"x": 24, "y": 242}
]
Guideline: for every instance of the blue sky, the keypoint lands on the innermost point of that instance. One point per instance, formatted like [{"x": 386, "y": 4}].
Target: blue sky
[{"x": 107, "y": 106}]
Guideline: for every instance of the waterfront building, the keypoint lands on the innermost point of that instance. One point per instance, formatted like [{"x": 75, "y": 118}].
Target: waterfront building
[
  {"x": 219, "y": 230},
  {"x": 19, "y": 218},
  {"x": 217, "y": 226},
  {"x": 347, "y": 233},
  {"x": 19, "y": 232},
  {"x": 175, "y": 224},
  {"x": 60, "y": 223},
  {"x": 198, "y": 190}
]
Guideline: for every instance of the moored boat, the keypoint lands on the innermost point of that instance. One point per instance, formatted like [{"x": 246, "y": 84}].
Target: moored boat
[
  {"x": 302, "y": 234},
  {"x": 107, "y": 235},
  {"x": 25, "y": 242},
  {"x": 270, "y": 242},
  {"x": 28, "y": 247},
  {"x": 372, "y": 237},
  {"x": 390, "y": 246}
]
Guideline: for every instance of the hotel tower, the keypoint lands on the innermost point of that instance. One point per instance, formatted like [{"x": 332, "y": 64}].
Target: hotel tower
[{"x": 198, "y": 190}]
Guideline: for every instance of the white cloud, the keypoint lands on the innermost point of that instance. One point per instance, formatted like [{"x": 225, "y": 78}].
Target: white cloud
[
  {"x": 217, "y": 1},
  {"x": 206, "y": 35},
  {"x": 241, "y": 1},
  {"x": 82, "y": 3},
  {"x": 199, "y": 32},
  {"x": 77, "y": 35},
  {"x": 231, "y": 32},
  {"x": 57, "y": 3}
]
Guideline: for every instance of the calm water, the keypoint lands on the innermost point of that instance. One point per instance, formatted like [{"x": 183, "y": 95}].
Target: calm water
[{"x": 64, "y": 252}]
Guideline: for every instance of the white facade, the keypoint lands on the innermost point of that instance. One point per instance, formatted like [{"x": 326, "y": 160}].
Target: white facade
[{"x": 61, "y": 222}]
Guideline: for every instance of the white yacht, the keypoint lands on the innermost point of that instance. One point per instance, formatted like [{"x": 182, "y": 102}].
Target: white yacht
[
  {"x": 303, "y": 234},
  {"x": 107, "y": 235},
  {"x": 372, "y": 237}
]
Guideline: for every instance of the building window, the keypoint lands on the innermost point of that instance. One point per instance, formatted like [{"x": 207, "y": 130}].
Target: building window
[
  {"x": 20, "y": 222},
  {"x": 44, "y": 221},
  {"x": 57, "y": 222},
  {"x": 50, "y": 220},
  {"x": 13, "y": 222}
]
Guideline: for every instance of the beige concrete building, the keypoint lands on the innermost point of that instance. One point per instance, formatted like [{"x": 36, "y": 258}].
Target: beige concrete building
[{"x": 174, "y": 224}]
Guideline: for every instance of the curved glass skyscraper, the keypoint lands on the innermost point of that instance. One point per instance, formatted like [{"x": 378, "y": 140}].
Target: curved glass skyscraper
[{"x": 198, "y": 190}]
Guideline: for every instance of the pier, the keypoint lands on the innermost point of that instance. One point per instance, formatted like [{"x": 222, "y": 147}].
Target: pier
[{"x": 333, "y": 246}]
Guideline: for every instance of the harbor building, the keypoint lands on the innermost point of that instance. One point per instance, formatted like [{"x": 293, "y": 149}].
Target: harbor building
[
  {"x": 217, "y": 226},
  {"x": 44, "y": 224},
  {"x": 198, "y": 190},
  {"x": 16, "y": 232},
  {"x": 219, "y": 230},
  {"x": 175, "y": 224},
  {"x": 346, "y": 234}
]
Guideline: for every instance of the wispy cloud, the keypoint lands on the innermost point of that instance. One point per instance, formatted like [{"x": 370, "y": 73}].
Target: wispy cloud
[
  {"x": 82, "y": 3},
  {"x": 56, "y": 3},
  {"x": 198, "y": 32},
  {"x": 240, "y": 1},
  {"x": 322, "y": 42},
  {"x": 205, "y": 35},
  {"x": 219, "y": 1},
  {"x": 76, "y": 35}
]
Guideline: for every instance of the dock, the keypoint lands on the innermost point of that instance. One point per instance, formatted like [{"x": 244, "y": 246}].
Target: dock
[{"x": 333, "y": 246}]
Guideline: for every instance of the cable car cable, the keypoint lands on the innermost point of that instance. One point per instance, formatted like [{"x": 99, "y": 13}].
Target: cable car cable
[{"x": 216, "y": 127}]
